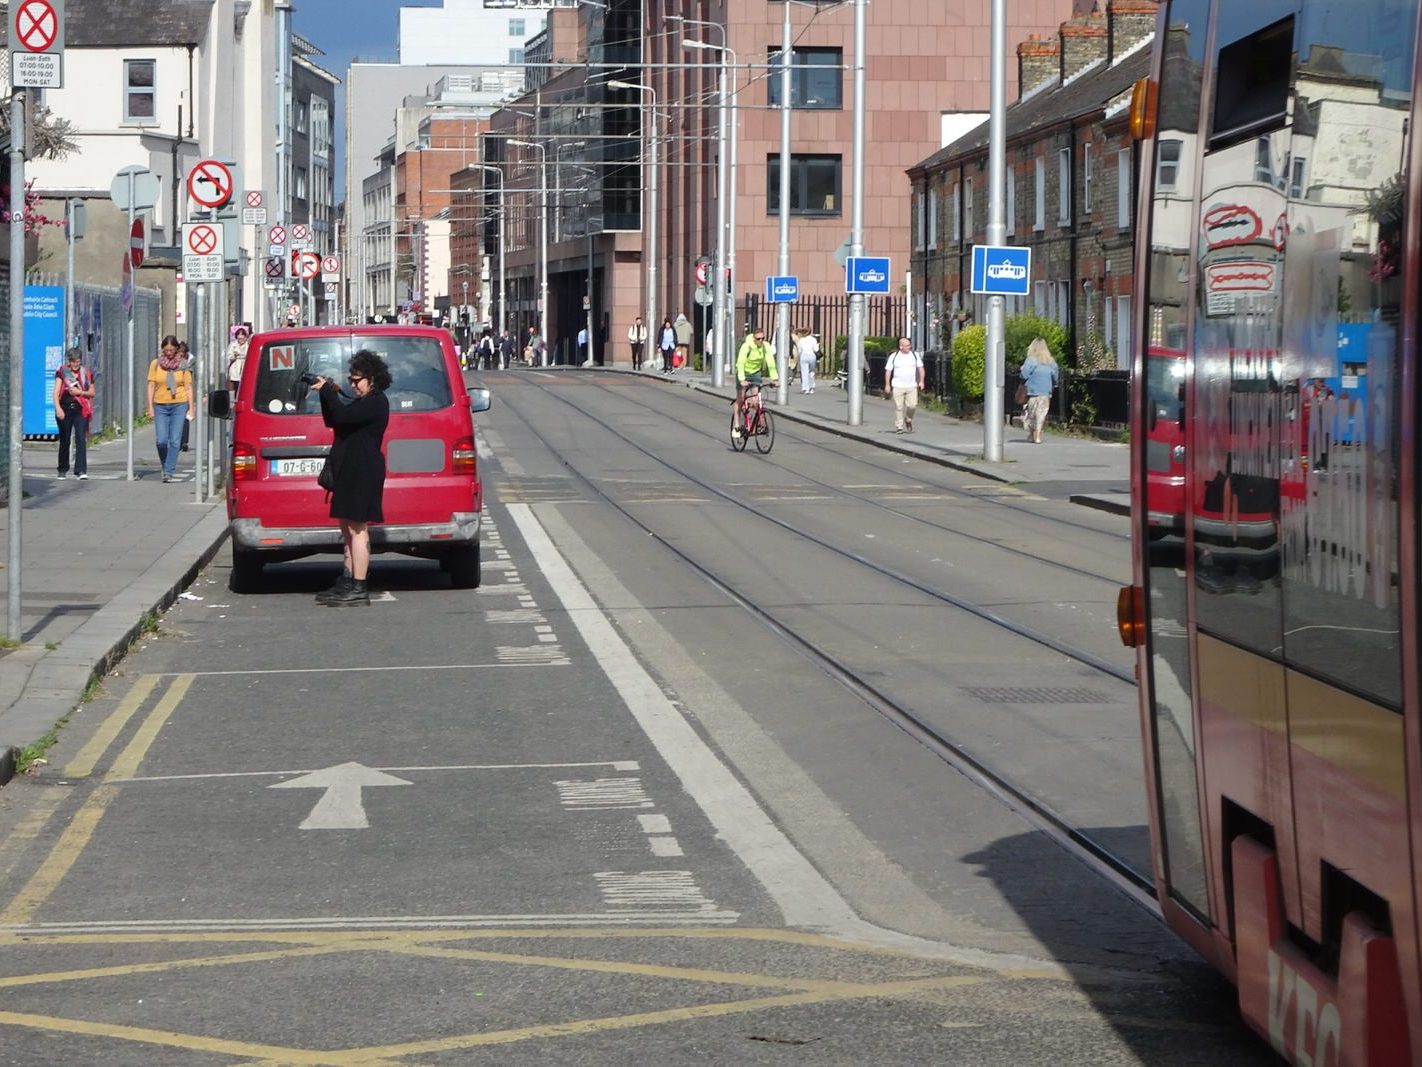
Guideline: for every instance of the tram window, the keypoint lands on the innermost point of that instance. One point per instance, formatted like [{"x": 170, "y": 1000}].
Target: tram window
[{"x": 1252, "y": 84}]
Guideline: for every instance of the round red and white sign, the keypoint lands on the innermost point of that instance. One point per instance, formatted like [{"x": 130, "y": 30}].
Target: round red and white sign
[
  {"x": 300, "y": 232},
  {"x": 703, "y": 272},
  {"x": 309, "y": 266},
  {"x": 202, "y": 241},
  {"x": 276, "y": 268},
  {"x": 210, "y": 183},
  {"x": 254, "y": 199},
  {"x": 276, "y": 235},
  {"x": 135, "y": 243},
  {"x": 36, "y": 25},
  {"x": 331, "y": 265}
]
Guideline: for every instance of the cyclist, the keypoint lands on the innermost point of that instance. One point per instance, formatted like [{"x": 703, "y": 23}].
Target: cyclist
[{"x": 754, "y": 359}]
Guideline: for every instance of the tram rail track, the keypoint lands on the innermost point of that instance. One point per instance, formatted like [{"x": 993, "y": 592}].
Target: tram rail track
[{"x": 1100, "y": 857}]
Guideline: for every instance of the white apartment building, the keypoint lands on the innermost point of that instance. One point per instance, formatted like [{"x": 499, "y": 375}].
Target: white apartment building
[{"x": 469, "y": 32}]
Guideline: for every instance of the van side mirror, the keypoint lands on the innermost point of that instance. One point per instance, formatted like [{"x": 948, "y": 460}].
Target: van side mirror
[
  {"x": 219, "y": 404},
  {"x": 480, "y": 400}
]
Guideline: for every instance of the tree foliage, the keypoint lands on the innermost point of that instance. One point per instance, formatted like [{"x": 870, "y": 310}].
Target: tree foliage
[{"x": 969, "y": 362}]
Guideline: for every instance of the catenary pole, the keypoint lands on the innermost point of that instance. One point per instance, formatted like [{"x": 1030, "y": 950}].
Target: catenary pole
[
  {"x": 14, "y": 627},
  {"x": 129, "y": 355},
  {"x": 782, "y": 311},
  {"x": 993, "y": 380},
  {"x": 854, "y": 351}
]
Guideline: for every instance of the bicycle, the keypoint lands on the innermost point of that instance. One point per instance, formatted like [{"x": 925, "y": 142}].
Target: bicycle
[{"x": 755, "y": 422}]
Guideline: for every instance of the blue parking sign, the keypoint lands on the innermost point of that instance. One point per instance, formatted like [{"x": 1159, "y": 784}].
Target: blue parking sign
[
  {"x": 782, "y": 289},
  {"x": 866, "y": 274},
  {"x": 1000, "y": 270}
]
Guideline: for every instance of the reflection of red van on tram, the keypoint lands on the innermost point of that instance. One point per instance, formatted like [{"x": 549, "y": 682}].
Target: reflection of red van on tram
[{"x": 433, "y": 499}]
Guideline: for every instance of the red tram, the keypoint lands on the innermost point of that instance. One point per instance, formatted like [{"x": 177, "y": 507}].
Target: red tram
[{"x": 1276, "y": 597}]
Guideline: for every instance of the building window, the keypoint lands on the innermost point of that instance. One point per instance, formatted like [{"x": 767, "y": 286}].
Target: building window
[
  {"x": 1086, "y": 180},
  {"x": 1124, "y": 187},
  {"x": 1167, "y": 169},
  {"x": 301, "y": 121},
  {"x": 140, "y": 102},
  {"x": 815, "y": 78},
  {"x": 516, "y": 28},
  {"x": 1123, "y": 333},
  {"x": 920, "y": 228},
  {"x": 1011, "y": 200},
  {"x": 1064, "y": 186},
  {"x": 932, "y": 217},
  {"x": 1039, "y": 194},
  {"x": 1296, "y": 178},
  {"x": 515, "y": 56},
  {"x": 1063, "y": 301},
  {"x": 298, "y": 183},
  {"x": 814, "y": 185},
  {"x": 968, "y": 230},
  {"x": 1263, "y": 165},
  {"x": 957, "y": 216}
]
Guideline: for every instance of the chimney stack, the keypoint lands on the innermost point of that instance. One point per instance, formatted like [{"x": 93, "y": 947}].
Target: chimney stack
[
  {"x": 1129, "y": 22},
  {"x": 1038, "y": 62},
  {"x": 1083, "y": 42}
]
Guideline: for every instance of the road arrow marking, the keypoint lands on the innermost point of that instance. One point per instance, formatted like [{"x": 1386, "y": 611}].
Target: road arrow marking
[{"x": 341, "y": 807}]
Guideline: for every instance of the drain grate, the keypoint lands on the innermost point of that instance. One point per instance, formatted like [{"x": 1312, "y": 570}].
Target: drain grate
[{"x": 1034, "y": 695}]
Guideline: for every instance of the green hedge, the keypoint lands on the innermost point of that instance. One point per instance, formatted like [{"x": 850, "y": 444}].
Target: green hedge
[
  {"x": 969, "y": 362},
  {"x": 1019, "y": 332}
]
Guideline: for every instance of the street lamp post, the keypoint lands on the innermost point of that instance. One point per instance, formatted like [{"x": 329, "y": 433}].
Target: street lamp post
[
  {"x": 854, "y": 351},
  {"x": 723, "y": 331},
  {"x": 652, "y": 190},
  {"x": 543, "y": 255}
]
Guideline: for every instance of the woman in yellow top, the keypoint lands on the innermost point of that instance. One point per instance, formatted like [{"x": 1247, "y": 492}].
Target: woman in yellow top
[{"x": 170, "y": 389}]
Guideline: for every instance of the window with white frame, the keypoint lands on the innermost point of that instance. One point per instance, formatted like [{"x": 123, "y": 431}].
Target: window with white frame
[
  {"x": 957, "y": 215},
  {"x": 1263, "y": 163},
  {"x": 301, "y": 122},
  {"x": 1086, "y": 203},
  {"x": 1039, "y": 194},
  {"x": 920, "y": 220},
  {"x": 932, "y": 217},
  {"x": 516, "y": 28},
  {"x": 1063, "y": 301},
  {"x": 1039, "y": 298},
  {"x": 515, "y": 56},
  {"x": 1124, "y": 188},
  {"x": 1064, "y": 186},
  {"x": 140, "y": 99},
  {"x": 1011, "y": 200},
  {"x": 1297, "y": 169},
  {"x": 1167, "y": 165},
  {"x": 1123, "y": 333},
  {"x": 298, "y": 183},
  {"x": 969, "y": 231}
]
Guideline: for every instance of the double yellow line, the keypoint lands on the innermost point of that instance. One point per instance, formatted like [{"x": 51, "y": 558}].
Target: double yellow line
[{"x": 77, "y": 834}]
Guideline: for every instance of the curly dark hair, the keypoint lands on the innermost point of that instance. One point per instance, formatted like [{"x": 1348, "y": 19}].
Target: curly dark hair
[{"x": 368, "y": 365}]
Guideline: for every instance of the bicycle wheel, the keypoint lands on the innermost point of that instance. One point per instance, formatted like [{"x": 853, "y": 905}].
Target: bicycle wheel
[
  {"x": 764, "y": 431},
  {"x": 738, "y": 441}
]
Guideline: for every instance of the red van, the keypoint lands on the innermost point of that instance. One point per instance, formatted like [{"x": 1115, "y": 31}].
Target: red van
[{"x": 433, "y": 499}]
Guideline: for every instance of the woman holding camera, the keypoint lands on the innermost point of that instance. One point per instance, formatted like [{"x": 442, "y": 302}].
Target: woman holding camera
[{"x": 358, "y": 468}]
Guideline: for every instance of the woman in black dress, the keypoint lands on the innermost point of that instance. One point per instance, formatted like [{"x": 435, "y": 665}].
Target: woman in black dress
[{"x": 358, "y": 466}]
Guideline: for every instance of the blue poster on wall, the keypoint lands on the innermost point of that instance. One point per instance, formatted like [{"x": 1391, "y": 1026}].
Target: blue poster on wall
[{"x": 44, "y": 354}]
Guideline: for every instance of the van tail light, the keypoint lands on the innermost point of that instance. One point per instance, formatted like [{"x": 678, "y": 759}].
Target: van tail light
[
  {"x": 463, "y": 456},
  {"x": 1130, "y": 615},
  {"x": 244, "y": 462}
]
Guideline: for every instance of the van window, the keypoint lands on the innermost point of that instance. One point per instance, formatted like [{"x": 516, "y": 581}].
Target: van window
[
  {"x": 419, "y": 378},
  {"x": 279, "y": 390}
]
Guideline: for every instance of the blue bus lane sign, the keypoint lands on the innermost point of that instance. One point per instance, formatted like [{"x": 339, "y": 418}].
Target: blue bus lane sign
[
  {"x": 1001, "y": 270},
  {"x": 782, "y": 289}
]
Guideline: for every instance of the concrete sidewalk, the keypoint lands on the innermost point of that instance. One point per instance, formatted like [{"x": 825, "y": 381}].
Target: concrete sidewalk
[
  {"x": 1085, "y": 470},
  {"x": 97, "y": 556}
]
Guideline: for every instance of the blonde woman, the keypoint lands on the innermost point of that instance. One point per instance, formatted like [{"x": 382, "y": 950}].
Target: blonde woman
[{"x": 1039, "y": 377}]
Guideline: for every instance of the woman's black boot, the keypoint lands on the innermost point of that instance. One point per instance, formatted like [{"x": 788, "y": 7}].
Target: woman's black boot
[
  {"x": 339, "y": 589},
  {"x": 355, "y": 593}
]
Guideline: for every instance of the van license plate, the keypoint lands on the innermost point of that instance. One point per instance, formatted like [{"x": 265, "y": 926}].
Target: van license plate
[{"x": 284, "y": 467}]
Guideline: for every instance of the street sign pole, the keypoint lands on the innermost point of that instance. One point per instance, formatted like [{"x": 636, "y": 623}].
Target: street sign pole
[
  {"x": 69, "y": 223},
  {"x": 13, "y": 627},
  {"x": 128, "y": 368},
  {"x": 854, "y": 349},
  {"x": 782, "y": 313},
  {"x": 995, "y": 369}
]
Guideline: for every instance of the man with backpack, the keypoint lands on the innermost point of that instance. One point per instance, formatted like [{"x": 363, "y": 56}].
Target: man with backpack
[{"x": 903, "y": 378}]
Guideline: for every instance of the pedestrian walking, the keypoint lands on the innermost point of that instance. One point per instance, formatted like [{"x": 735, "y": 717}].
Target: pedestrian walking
[
  {"x": 637, "y": 338},
  {"x": 1039, "y": 377},
  {"x": 903, "y": 378},
  {"x": 666, "y": 346},
  {"x": 74, "y": 407},
  {"x": 356, "y": 469},
  {"x": 507, "y": 348},
  {"x": 188, "y": 365},
  {"x": 484, "y": 352},
  {"x": 237, "y": 355},
  {"x": 170, "y": 386},
  {"x": 535, "y": 351},
  {"x": 684, "y": 333},
  {"x": 583, "y": 347},
  {"x": 807, "y": 347}
]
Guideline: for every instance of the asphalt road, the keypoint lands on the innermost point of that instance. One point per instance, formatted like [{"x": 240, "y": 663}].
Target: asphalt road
[{"x": 612, "y": 806}]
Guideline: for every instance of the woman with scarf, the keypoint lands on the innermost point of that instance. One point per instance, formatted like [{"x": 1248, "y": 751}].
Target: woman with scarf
[{"x": 170, "y": 387}]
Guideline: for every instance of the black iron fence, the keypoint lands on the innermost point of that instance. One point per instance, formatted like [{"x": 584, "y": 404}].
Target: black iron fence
[{"x": 827, "y": 317}]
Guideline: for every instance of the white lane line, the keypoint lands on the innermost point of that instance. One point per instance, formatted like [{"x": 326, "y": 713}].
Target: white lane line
[
  {"x": 655, "y": 824},
  {"x": 351, "y": 670},
  {"x": 612, "y": 917},
  {"x": 805, "y": 897},
  {"x": 552, "y": 655},
  {"x": 665, "y": 847},
  {"x": 673, "y": 889},
  {"x": 603, "y": 794},
  {"x": 616, "y": 765}
]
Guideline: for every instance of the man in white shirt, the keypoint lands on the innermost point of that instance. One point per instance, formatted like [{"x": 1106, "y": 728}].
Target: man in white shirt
[{"x": 903, "y": 378}]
